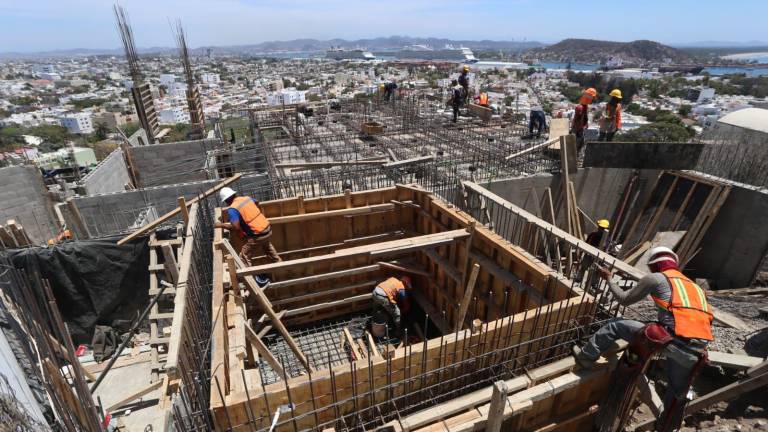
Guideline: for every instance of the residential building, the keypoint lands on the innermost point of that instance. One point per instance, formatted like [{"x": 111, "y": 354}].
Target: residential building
[
  {"x": 210, "y": 78},
  {"x": 82, "y": 156},
  {"x": 77, "y": 123},
  {"x": 285, "y": 96},
  {"x": 173, "y": 115},
  {"x": 167, "y": 79}
]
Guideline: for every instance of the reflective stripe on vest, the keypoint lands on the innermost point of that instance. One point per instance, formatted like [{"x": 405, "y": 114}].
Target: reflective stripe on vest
[
  {"x": 250, "y": 214},
  {"x": 390, "y": 287},
  {"x": 483, "y": 99},
  {"x": 688, "y": 305}
]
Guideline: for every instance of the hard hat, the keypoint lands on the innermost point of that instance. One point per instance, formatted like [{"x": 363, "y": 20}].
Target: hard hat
[
  {"x": 466, "y": 68},
  {"x": 381, "y": 86},
  {"x": 661, "y": 253},
  {"x": 226, "y": 193},
  {"x": 406, "y": 280},
  {"x": 616, "y": 93},
  {"x": 603, "y": 223},
  {"x": 592, "y": 92}
]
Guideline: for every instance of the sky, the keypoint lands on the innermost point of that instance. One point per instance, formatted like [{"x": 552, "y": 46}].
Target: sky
[{"x": 41, "y": 25}]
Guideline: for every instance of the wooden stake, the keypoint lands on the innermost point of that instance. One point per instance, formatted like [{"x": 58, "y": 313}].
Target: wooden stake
[
  {"x": 496, "y": 411},
  {"x": 467, "y": 297},
  {"x": 257, "y": 343},
  {"x": 184, "y": 210}
]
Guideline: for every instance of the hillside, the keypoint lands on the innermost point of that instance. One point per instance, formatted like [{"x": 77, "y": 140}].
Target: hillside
[{"x": 595, "y": 51}]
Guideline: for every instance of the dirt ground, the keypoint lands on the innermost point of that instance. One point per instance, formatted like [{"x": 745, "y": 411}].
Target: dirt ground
[{"x": 748, "y": 412}]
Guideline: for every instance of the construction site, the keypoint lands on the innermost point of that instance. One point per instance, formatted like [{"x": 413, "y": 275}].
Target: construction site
[{"x": 489, "y": 224}]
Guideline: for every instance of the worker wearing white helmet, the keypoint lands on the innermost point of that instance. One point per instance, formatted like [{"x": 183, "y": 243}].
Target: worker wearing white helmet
[
  {"x": 683, "y": 312},
  {"x": 245, "y": 217}
]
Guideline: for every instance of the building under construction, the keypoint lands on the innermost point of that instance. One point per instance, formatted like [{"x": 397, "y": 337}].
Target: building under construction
[{"x": 489, "y": 226}]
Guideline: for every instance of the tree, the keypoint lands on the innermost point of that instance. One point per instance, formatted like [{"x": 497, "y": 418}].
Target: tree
[
  {"x": 684, "y": 110},
  {"x": 658, "y": 132},
  {"x": 130, "y": 128},
  {"x": 101, "y": 130}
]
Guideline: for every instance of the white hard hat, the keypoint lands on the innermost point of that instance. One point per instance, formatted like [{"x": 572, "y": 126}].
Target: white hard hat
[
  {"x": 661, "y": 253},
  {"x": 226, "y": 193}
]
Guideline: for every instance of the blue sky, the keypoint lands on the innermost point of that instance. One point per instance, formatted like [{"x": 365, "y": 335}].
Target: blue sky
[{"x": 33, "y": 25}]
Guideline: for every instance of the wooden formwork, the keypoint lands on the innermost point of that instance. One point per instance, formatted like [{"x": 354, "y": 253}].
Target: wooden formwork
[{"x": 335, "y": 250}]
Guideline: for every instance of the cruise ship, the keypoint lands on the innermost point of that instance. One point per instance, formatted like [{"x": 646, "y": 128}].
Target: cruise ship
[
  {"x": 339, "y": 53},
  {"x": 424, "y": 52}
]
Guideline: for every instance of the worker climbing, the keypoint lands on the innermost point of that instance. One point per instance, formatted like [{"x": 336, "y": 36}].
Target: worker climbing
[
  {"x": 599, "y": 240},
  {"x": 580, "y": 121},
  {"x": 684, "y": 329},
  {"x": 538, "y": 121},
  {"x": 457, "y": 99},
  {"x": 246, "y": 218},
  {"x": 391, "y": 296},
  {"x": 610, "y": 123},
  {"x": 464, "y": 83}
]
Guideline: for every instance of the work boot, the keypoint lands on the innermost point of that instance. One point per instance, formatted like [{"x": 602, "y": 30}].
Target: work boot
[{"x": 582, "y": 359}]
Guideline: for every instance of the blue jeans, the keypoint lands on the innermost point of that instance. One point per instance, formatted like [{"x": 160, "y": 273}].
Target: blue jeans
[{"x": 680, "y": 362}]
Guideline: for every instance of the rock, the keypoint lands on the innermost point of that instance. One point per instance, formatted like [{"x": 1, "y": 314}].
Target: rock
[{"x": 716, "y": 420}]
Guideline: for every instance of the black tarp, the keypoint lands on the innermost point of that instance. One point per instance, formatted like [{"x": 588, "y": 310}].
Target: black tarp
[{"x": 94, "y": 281}]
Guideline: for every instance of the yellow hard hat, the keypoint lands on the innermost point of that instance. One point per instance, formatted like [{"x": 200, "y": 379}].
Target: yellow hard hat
[
  {"x": 466, "y": 68},
  {"x": 381, "y": 86},
  {"x": 603, "y": 223},
  {"x": 616, "y": 93}
]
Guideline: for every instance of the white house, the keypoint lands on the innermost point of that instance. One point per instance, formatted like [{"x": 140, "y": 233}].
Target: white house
[
  {"x": 77, "y": 123},
  {"x": 210, "y": 78},
  {"x": 285, "y": 96},
  {"x": 167, "y": 79},
  {"x": 173, "y": 116}
]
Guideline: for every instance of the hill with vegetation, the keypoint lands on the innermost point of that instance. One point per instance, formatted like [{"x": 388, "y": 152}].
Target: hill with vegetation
[{"x": 596, "y": 51}]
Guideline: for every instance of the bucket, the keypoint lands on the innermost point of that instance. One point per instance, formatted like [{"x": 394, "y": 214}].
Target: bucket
[{"x": 379, "y": 325}]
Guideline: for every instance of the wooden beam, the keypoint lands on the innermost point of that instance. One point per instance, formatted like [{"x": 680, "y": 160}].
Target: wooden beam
[
  {"x": 266, "y": 306},
  {"x": 733, "y": 361},
  {"x": 78, "y": 218},
  {"x": 314, "y": 307},
  {"x": 444, "y": 265},
  {"x": 171, "y": 267},
  {"x": 264, "y": 352},
  {"x": 324, "y": 276},
  {"x": 496, "y": 409},
  {"x": 404, "y": 162},
  {"x": 162, "y": 219},
  {"x": 531, "y": 149},
  {"x": 148, "y": 389},
  {"x": 467, "y": 297},
  {"x": 329, "y": 164},
  {"x": 315, "y": 294},
  {"x": 184, "y": 210},
  {"x": 403, "y": 269},
  {"x": 373, "y": 250},
  {"x": 354, "y": 211},
  {"x": 372, "y": 344}
]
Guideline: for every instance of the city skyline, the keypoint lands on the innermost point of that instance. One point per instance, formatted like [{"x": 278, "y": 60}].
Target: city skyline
[{"x": 47, "y": 25}]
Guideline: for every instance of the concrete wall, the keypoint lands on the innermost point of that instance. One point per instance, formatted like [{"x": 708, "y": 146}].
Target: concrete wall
[
  {"x": 24, "y": 197},
  {"x": 737, "y": 241},
  {"x": 113, "y": 213},
  {"x": 643, "y": 155},
  {"x": 598, "y": 191},
  {"x": 171, "y": 163},
  {"x": 110, "y": 175}
]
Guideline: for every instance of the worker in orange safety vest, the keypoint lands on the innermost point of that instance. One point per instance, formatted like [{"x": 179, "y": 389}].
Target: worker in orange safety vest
[
  {"x": 683, "y": 311},
  {"x": 482, "y": 100},
  {"x": 392, "y": 297},
  {"x": 247, "y": 220}
]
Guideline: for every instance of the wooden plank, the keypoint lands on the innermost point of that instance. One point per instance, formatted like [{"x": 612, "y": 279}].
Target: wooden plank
[
  {"x": 354, "y": 211},
  {"x": 467, "y": 297},
  {"x": 733, "y": 361},
  {"x": 148, "y": 389},
  {"x": 533, "y": 148},
  {"x": 331, "y": 304},
  {"x": 444, "y": 265},
  {"x": 411, "y": 161},
  {"x": 170, "y": 265},
  {"x": 315, "y": 294},
  {"x": 375, "y": 250},
  {"x": 184, "y": 210},
  {"x": 496, "y": 409},
  {"x": 162, "y": 219},
  {"x": 80, "y": 224},
  {"x": 180, "y": 299},
  {"x": 263, "y": 351},
  {"x": 323, "y": 276},
  {"x": 372, "y": 344},
  {"x": 403, "y": 269}
]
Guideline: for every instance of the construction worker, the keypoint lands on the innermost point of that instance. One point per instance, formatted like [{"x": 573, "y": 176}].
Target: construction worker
[
  {"x": 246, "y": 218},
  {"x": 538, "y": 120},
  {"x": 482, "y": 99},
  {"x": 683, "y": 312},
  {"x": 391, "y": 296},
  {"x": 457, "y": 98},
  {"x": 464, "y": 82},
  {"x": 580, "y": 120},
  {"x": 598, "y": 239},
  {"x": 610, "y": 123},
  {"x": 389, "y": 91}
]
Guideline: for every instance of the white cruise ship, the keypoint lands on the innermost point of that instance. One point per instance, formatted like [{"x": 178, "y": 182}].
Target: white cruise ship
[
  {"x": 339, "y": 53},
  {"x": 424, "y": 52}
]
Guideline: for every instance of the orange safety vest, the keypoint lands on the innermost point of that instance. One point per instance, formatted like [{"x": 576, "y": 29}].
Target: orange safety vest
[
  {"x": 251, "y": 214},
  {"x": 390, "y": 287},
  {"x": 688, "y": 305},
  {"x": 483, "y": 99}
]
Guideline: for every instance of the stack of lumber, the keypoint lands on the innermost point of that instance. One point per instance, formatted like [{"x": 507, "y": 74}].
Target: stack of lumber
[{"x": 12, "y": 236}]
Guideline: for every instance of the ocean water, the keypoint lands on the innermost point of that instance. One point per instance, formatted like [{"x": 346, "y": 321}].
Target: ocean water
[
  {"x": 585, "y": 67},
  {"x": 752, "y": 72}
]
